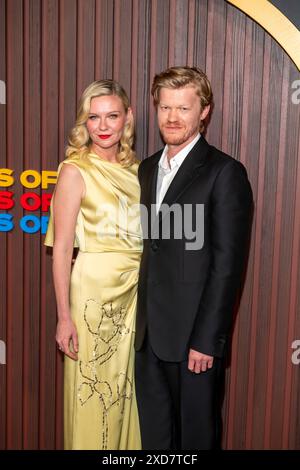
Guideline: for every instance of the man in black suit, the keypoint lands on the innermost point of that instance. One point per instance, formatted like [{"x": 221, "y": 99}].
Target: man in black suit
[{"x": 187, "y": 287}]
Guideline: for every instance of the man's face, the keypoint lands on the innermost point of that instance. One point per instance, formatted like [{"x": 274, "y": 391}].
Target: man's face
[{"x": 179, "y": 115}]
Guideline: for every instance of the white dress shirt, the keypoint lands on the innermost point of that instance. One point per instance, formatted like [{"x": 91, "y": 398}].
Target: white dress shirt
[{"x": 167, "y": 170}]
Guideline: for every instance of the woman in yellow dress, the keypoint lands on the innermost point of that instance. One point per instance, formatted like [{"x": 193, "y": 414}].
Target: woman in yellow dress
[{"x": 95, "y": 207}]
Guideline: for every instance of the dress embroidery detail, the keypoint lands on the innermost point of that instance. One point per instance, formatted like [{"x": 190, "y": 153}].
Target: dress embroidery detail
[{"x": 106, "y": 324}]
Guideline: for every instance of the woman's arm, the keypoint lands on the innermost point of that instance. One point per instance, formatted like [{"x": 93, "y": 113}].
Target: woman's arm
[{"x": 69, "y": 191}]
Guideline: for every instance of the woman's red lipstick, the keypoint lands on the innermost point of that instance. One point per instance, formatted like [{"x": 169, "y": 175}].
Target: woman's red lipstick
[{"x": 104, "y": 136}]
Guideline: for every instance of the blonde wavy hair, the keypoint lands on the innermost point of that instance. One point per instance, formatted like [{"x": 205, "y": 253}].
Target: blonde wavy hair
[
  {"x": 179, "y": 77},
  {"x": 79, "y": 139}
]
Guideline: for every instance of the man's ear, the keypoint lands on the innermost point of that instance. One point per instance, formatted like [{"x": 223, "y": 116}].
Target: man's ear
[{"x": 205, "y": 112}]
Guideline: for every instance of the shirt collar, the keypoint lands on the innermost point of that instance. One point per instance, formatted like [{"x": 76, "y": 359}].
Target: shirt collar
[{"x": 177, "y": 160}]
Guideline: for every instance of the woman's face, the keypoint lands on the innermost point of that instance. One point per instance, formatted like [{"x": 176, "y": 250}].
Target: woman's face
[{"x": 105, "y": 124}]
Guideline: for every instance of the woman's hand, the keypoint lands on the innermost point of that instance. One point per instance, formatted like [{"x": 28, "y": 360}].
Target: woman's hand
[{"x": 66, "y": 336}]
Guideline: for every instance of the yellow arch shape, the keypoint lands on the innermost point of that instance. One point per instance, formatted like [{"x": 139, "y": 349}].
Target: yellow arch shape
[{"x": 275, "y": 22}]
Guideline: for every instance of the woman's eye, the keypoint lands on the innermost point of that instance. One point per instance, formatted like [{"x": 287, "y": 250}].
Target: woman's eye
[
  {"x": 113, "y": 116},
  {"x": 92, "y": 118}
]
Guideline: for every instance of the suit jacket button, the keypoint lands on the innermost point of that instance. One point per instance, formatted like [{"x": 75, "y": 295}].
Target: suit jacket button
[{"x": 154, "y": 245}]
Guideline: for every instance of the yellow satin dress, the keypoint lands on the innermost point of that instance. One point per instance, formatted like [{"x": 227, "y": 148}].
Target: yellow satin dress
[{"x": 100, "y": 410}]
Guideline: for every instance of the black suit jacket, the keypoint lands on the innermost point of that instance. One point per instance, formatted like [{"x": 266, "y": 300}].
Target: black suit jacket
[{"x": 186, "y": 297}]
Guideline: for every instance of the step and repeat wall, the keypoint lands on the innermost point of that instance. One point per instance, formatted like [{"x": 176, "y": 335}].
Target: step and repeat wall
[{"x": 50, "y": 50}]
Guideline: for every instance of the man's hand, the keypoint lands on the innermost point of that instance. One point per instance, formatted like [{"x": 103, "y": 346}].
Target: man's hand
[{"x": 199, "y": 362}]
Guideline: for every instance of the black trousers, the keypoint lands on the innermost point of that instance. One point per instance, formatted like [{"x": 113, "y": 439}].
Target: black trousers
[{"x": 178, "y": 409}]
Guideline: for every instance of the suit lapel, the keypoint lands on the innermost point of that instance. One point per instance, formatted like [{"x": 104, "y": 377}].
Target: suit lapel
[
  {"x": 185, "y": 176},
  {"x": 154, "y": 184},
  {"x": 149, "y": 198},
  {"x": 187, "y": 172},
  {"x": 150, "y": 193}
]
